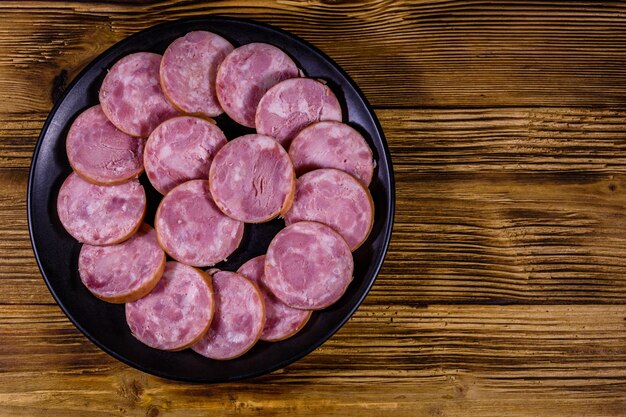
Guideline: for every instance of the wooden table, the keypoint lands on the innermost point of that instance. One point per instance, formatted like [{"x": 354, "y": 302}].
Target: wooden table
[{"x": 504, "y": 290}]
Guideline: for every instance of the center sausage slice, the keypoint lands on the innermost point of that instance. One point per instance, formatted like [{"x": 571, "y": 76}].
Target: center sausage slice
[
  {"x": 177, "y": 312},
  {"x": 192, "y": 229},
  {"x": 308, "y": 266},
  {"x": 239, "y": 318},
  {"x": 131, "y": 94},
  {"x": 252, "y": 179}
]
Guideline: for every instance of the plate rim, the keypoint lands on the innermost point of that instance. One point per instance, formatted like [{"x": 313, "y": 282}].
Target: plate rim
[{"x": 390, "y": 192}]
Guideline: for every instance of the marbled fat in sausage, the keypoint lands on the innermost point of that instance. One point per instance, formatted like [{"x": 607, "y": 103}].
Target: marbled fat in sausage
[
  {"x": 281, "y": 321},
  {"x": 239, "y": 318},
  {"x": 181, "y": 149},
  {"x": 100, "y": 214},
  {"x": 192, "y": 229},
  {"x": 188, "y": 72},
  {"x": 177, "y": 312},
  {"x": 131, "y": 94},
  {"x": 99, "y": 152},
  {"x": 308, "y": 266},
  {"x": 246, "y": 74},
  {"x": 336, "y": 199},
  {"x": 292, "y": 105},
  {"x": 332, "y": 145},
  {"x": 252, "y": 179},
  {"x": 124, "y": 272}
]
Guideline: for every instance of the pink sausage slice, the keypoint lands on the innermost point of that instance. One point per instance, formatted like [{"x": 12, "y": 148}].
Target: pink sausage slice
[
  {"x": 332, "y": 145},
  {"x": 246, "y": 74},
  {"x": 181, "y": 149},
  {"x": 100, "y": 214},
  {"x": 308, "y": 266},
  {"x": 124, "y": 272},
  {"x": 131, "y": 94},
  {"x": 252, "y": 179},
  {"x": 99, "y": 152},
  {"x": 336, "y": 199},
  {"x": 192, "y": 229},
  {"x": 189, "y": 69},
  {"x": 281, "y": 321},
  {"x": 177, "y": 312},
  {"x": 292, "y": 105},
  {"x": 239, "y": 318}
]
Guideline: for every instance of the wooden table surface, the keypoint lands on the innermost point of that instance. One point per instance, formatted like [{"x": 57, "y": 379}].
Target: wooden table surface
[{"x": 504, "y": 289}]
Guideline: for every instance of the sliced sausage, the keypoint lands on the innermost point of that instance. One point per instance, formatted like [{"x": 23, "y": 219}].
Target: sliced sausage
[
  {"x": 188, "y": 72},
  {"x": 336, "y": 199},
  {"x": 332, "y": 145},
  {"x": 181, "y": 149},
  {"x": 308, "y": 266},
  {"x": 239, "y": 318},
  {"x": 281, "y": 321},
  {"x": 252, "y": 179},
  {"x": 292, "y": 105},
  {"x": 124, "y": 272},
  {"x": 99, "y": 152},
  {"x": 100, "y": 214},
  {"x": 246, "y": 74},
  {"x": 192, "y": 229},
  {"x": 131, "y": 94},
  {"x": 177, "y": 312}
]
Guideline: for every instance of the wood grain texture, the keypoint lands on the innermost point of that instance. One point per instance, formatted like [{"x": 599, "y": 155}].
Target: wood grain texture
[
  {"x": 504, "y": 290},
  {"x": 401, "y": 53},
  {"x": 430, "y": 361}
]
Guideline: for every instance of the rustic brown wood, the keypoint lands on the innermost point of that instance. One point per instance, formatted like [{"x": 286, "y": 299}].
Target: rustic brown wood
[
  {"x": 431, "y": 361},
  {"x": 402, "y": 54},
  {"x": 504, "y": 290}
]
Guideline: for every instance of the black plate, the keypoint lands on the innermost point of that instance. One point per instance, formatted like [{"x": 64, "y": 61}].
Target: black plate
[{"x": 103, "y": 323}]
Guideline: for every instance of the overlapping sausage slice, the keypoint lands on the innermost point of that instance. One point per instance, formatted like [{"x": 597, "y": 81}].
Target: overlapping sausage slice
[
  {"x": 308, "y": 266},
  {"x": 131, "y": 95},
  {"x": 239, "y": 318},
  {"x": 188, "y": 72},
  {"x": 181, "y": 149},
  {"x": 177, "y": 312},
  {"x": 336, "y": 199},
  {"x": 100, "y": 214},
  {"x": 99, "y": 152},
  {"x": 292, "y": 105},
  {"x": 252, "y": 179},
  {"x": 332, "y": 145},
  {"x": 123, "y": 272},
  {"x": 192, "y": 229},
  {"x": 281, "y": 321},
  {"x": 246, "y": 74}
]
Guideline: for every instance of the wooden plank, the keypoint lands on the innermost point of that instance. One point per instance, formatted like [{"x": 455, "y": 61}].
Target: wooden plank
[
  {"x": 507, "y": 141},
  {"x": 494, "y": 205},
  {"x": 401, "y": 53},
  {"x": 18, "y": 136},
  {"x": 432, "y": 361}
]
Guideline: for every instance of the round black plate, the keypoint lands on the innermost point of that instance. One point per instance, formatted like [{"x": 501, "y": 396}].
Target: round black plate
[{"x": 103, "y": 323}]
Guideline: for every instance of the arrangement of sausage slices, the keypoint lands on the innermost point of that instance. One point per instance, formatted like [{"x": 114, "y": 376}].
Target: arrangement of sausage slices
[{"x": 302, "y": 164}]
